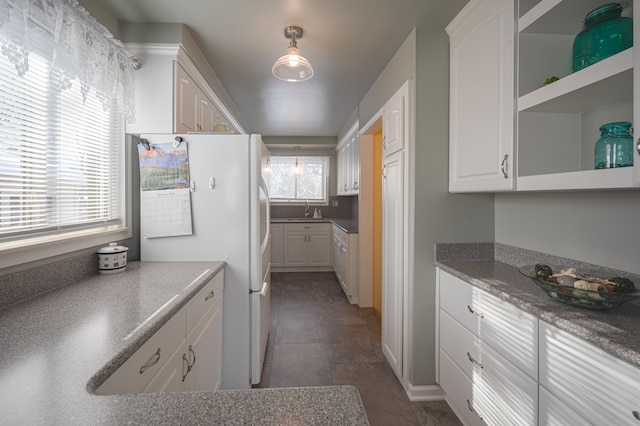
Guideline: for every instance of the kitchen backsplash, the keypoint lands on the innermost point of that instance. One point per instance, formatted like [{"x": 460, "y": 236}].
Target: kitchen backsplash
[
  {"x": 31, "y": 282},
  {"x": 347, "y": 209}
]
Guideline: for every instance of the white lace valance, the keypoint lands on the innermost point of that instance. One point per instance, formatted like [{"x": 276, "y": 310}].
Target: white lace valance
[{"x": 77, "y": 46}]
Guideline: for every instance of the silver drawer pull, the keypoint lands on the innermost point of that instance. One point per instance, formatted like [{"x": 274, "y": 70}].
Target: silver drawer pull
[
  {"x": 473, "y": 410},
  {"x": 473, "y": 361},
  {"x": 478, "y": 314},
  {"x": 209, "y": 296},
  {"x": 636, "y": 414},
  {"x": 185, "y": 360},
  {"x": 151, "y": 361}
]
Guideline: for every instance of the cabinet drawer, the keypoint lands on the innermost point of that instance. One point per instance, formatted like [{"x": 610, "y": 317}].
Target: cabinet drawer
[
  {"x": 204, "y": 299},
  {"x": 341, "y": 235},
  {"x": 307, "y": 227},
  {"x": 138, "y": 370},
  {"x": 502, "y": 392},
  {"x": 506, "y": 328},
  {"x": 553, "y": 412},
  {"x": 597, "y": 385},
  {"x": 459, "y": 390}
]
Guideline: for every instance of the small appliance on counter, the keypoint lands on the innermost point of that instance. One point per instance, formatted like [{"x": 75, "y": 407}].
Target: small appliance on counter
[{"x": 112, "y": 259}]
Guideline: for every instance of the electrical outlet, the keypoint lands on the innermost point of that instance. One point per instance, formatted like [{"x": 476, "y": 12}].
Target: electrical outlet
[{"x": 334, "y": 203}]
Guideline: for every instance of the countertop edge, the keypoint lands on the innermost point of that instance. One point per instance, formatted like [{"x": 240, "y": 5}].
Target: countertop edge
[
  {"x": 143, "y": 334},
  {"x": 571, "y": 326}
]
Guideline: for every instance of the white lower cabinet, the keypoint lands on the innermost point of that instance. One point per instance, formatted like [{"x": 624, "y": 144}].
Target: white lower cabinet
[
  {"x": 344, "y": 259},
  {"x": 501, "y": 366},
  {"x": 592, "y": 382},
  {"x": 553, "y": 412},
  {"x": 185, "y": 354},
  {"x": 493, "y": 347},
  {"x": 307, "y": 244},
  {"x": 277, "y": 245}
]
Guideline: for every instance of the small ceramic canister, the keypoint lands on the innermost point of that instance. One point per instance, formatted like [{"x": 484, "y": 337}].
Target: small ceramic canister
[{"x": 112, "y": 259}]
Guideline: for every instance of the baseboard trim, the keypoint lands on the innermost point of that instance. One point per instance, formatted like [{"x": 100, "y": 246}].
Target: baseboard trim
[
  {"x": 425, "y": 393},
  {"x": 301, "y": 269}
]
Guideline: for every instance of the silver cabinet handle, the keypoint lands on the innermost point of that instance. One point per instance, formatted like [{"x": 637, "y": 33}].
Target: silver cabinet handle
[
  {"x": 473, "y": 410},
  {"x": 478, "y": 314},
  {"x": 184, "y": 359},
  {"x": 473, "y": 361},
  {"x": 638, "y": 149},
  {"x": 503, "y": 166},
  {"x": 151, "y": 361},
  {"x": 210, "y": 295},
  {"x": 188, "y": 361},
  {"x": 384, "y": 171},
  {"x": 384, "y": 142},
  {"x": 636, "y": 414}
]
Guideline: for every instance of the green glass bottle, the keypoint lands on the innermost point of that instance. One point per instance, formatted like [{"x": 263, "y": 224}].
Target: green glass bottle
[
  {"x": 615, "y": 146},
  {"x": 605, "y": 33}
]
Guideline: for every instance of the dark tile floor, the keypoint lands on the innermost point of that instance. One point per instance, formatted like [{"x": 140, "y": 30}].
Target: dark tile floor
[{"x": 317, "y": 338}]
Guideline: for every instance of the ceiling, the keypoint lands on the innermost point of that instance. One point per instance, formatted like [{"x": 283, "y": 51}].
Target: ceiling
[{"x": 348, "y": 42}]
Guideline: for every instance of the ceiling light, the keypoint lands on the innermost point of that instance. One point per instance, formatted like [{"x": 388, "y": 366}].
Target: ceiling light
[{"x": 292, "y": 66}]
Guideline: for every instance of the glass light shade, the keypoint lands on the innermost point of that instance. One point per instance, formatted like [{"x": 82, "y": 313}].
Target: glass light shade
[{"x": 292, "y": 67}]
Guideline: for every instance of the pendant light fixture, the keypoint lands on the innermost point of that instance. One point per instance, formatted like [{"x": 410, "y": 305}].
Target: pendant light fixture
[{"x": 293, "y": 67}]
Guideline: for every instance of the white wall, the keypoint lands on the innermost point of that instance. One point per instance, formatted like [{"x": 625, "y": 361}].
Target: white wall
[{"x": 439, "y": 216}]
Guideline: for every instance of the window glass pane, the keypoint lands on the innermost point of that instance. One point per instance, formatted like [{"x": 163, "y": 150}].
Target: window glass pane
[
  {"x": 60, "y": 155},
  {"x": 295, "y": 179}
]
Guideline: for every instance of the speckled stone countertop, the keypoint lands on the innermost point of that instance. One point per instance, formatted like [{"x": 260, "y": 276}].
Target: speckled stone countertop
[
  {"x": 349, "y": 226},
  {"x": 616, "y": 331},
  {"x": 57, "y": 348}
]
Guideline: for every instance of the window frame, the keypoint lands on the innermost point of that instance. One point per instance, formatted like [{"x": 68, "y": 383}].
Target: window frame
[{"x": 299, "y": 201}]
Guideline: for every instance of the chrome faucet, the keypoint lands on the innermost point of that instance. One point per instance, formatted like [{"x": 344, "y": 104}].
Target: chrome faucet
[{"x": 307, "y": 210}]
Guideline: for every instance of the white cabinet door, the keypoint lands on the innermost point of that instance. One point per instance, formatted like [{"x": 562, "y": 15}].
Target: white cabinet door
[
  {"x": 277, "y": 245},
  {"x": 204, "y": 351},
  {"x": 393, "y": 259},
  {"x": 595, "y": 384},
  {"x": 319, "y": 248},
  {"x": 481, "y": 134},
  {"x": 206, "y": 115},
  {"x": 295, "y": 248},
  {"x": 393, "y": 123},
  {"x": 355, "y": 165},
  {"x": 187, "y": 102}
]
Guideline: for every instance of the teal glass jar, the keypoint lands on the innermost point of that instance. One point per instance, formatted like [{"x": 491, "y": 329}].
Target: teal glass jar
[
  {"x": 605, "y": 33},
  {"x": 615, "y": 146}
]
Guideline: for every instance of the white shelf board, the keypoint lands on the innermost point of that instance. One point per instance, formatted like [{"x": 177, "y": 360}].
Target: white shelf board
[
  {"x": 566, "y": 18},
  {"x": 605, "y": 82},
  {"x": 619, "y": 178}
]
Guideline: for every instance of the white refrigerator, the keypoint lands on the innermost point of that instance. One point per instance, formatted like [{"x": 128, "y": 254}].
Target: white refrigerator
[{"x": 229, "y": 197}]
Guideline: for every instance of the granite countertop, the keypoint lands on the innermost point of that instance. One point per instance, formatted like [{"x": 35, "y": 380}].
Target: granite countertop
[
  {"x": 58, "y": 347},
  {"x": 616, "y": 331},
  {"x": 349, "y": 226}
]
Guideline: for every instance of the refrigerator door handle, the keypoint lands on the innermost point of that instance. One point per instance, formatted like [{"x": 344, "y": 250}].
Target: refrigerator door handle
[
  {"x": 263, "y": 290},
  {"x": 263, "y": 245}
]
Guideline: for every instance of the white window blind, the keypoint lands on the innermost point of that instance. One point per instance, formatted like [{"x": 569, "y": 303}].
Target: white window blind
[
  {"x": 299, "y": 179},
  {"x": 60, "y": 158}
]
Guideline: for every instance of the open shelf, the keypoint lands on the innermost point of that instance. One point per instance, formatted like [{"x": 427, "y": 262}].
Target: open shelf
[
  {"x": 605, "y": 82},
  {"x": 581, "y": 180},
  {"x": 557, "y": 16}
]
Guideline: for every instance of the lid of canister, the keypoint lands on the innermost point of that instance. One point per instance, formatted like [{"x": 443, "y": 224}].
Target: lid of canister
[{"x": 113, "y": 248}]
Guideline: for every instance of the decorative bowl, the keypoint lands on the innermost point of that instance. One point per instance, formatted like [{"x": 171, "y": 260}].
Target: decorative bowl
[{"x": 577, "y": 297}]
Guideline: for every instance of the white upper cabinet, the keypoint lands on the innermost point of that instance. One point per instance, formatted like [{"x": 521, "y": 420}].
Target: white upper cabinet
[
  {"x": 558, "y": 123},
  {"x": 510, "y": 130},
  {"x": 348, "y": 165},
  {"x": 393, "y": 128},
  {"x": 482, "y": 64}
]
